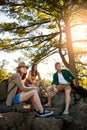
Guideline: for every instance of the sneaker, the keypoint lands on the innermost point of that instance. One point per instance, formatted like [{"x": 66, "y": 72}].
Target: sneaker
[
  {"x": 66, "y": 112},
  {"x": 47, "y": 105},
  {"x": 46, "y": 113},
  {"x": 53, "y": 94}
]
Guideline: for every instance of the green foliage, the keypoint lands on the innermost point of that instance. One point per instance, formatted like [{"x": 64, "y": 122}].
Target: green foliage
[
  {"x": 83, "y": 83},
  {"x": 8, "y": 26},
  {"x": 4, "y": 74},
  {"x": 47, "y": 82}
]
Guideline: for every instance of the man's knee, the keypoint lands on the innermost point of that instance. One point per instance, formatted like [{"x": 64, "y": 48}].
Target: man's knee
[
  {"x": 49, "y": 88},
  {"x": 68, "y": 88},
  {"x": 67, "y": 92}
]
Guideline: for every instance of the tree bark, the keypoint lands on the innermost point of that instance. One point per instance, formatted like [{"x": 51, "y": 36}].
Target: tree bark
[{"x": 71, "y": 57}]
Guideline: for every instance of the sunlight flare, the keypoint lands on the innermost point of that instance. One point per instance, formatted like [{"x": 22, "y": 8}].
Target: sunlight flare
[{"x": 79, "y": 36}]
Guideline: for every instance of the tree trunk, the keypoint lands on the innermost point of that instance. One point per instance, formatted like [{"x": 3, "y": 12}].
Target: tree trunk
[{"x": 72, "y": 66}]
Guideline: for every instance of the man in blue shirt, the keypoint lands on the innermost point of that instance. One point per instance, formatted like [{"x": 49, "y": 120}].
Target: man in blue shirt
[{"x": 61, "y": 81}]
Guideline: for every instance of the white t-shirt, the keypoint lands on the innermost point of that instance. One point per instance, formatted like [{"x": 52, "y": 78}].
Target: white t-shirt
[{"x": 61, "y": 79}]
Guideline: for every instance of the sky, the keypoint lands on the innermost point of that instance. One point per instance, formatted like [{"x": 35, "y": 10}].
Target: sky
[{"x": 46, "y": 67}]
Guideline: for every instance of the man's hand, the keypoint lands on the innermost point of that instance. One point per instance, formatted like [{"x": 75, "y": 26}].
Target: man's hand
[
  {"x": 75, "y": 85},
  {"x": 55, "y": 89}
]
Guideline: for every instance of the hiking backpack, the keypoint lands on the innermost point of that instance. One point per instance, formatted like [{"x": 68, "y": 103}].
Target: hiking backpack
[
  {"x": 80, "y": 90},
  {"x": 4, "y": 89}
]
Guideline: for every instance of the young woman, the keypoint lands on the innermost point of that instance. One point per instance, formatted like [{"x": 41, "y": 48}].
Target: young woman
[
  {"x": 34, "y": 78},
  {"x": 20, "y": 93}
]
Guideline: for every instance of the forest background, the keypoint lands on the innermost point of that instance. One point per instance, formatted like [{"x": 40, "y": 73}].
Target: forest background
[{"x": 44, "y": 32}]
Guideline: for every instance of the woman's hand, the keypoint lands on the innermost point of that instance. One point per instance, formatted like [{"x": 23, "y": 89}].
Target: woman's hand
[
  {"x": 36, "y": 83},
  {"x": 33, "y": 88}
]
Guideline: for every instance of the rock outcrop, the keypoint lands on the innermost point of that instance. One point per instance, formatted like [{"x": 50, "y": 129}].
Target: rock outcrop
[{"x": 21, "y": 116}]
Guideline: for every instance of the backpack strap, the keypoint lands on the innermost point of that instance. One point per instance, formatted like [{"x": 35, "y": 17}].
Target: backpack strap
[{"x": 11, "y": 89}]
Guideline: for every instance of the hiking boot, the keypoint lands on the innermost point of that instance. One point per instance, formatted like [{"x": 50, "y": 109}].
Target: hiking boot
[
  {"x": 46, "y": 113},
  {"x": 66, "y": 112}
]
